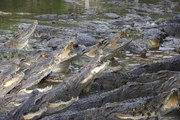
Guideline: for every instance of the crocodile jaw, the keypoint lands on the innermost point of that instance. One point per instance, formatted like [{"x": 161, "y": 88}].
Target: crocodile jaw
[
  {"x": 155, "y": 43},
  {"x": 172, "y": 101},
  {"x": 95, "y": 71},
  {"x": 114, "y": 42},
  {"x": 65, "y": 52},
  {"x": 32, "y": 115},
  {"x": 62, "y": 103},
  {"x": 14, "y": 80},
  {"x": 92, "y": 52}
]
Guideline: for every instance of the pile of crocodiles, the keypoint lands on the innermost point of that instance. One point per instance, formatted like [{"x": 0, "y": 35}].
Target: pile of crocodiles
[{"x": 149, "y": 91}]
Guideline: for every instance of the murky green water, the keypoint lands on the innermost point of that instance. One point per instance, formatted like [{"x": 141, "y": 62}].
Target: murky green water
[
  {"x": 34, "y": 6},
  {"x": 29, "y": 8}
]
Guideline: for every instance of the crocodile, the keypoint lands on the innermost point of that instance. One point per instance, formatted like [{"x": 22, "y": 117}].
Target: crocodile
[
  {"x": 8, "y": 54},
  {"x": 4, "y": 102},
  {"x": 108, "y": 81},
  {"x": 167, "y": 21},
  {"x": 169, "y": 64},
  {"x": 162, "y": 29},
  {"x": 137, "y": 108},
  {"x": 12, "y": 82},
  {"x": 155, "y": 36},
  {"x": 70, "y": 87},
  {"x": 85, "y": 40},
  {"x": 45, "y": 66},
  {"x": 128, "y": 46},
  {"x": 17, "y": 113},
  {"x": 7, "y": 69},
  {"x": 128, "y": 91},
  {"x": 20, "y": 40}
]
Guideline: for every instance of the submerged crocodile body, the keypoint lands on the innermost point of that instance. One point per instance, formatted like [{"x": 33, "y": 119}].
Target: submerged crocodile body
[{"x": 20, "y": 40}]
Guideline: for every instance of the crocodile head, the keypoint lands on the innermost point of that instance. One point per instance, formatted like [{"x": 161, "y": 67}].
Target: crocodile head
[
  {"x": 155, "y": 43},
  {"x": 10, "y": 83},
  {"x": 92, "y": 52},
  {"x": 65, "y": 52},
  {"x": 171, "y": 102},
  {"x": 115, "y": 41}
]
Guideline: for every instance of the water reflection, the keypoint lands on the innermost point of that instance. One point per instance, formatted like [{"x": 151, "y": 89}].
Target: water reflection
[
  {"x": 34, "y": 6},
  {"x": 86, "y": 4}
]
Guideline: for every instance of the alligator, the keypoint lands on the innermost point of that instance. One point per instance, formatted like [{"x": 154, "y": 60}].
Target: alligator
[
  {"x": 17, "y": 113},
  {"x": 20, "y": 40},
  {"x": 137, "y": 108}
]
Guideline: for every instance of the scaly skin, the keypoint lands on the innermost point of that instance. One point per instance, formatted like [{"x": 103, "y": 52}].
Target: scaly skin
[
  {"x": 17, "y": 113},
  {"x": 139, "y": 108},
  {"x": 129, "y": 91},
  {"x": 109, "y": 81},
  {"x": 172, "y": 64},
  {"x": 20, "y": 40},
  {"x": 8, "y": 68},
  {"x": 12, "y": 82},
  {"x": 72, "y": 86},
  {"x": 45, "y": 66}
]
